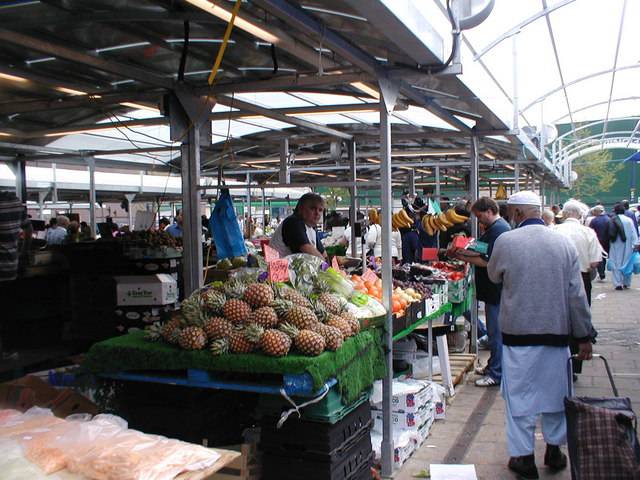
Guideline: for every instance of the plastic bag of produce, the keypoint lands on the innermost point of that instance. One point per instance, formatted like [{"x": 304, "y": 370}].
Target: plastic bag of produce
[
  {"x": 33, "y": 420},
  {"x": 303, "y": 271},
  {"x": 343, "y": 287},
  {"x": 43, "y": 448},
  {"x": 226, "y": 230}
]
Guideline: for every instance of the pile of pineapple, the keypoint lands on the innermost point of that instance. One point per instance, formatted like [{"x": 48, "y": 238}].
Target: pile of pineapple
[{"x": 272, "y": 318}]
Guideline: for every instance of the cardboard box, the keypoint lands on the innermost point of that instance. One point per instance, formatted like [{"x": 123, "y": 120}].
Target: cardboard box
[
  {"x": 158, "y": 289},
  {"x": 404, "y": 421},
  {"x": 408, "y": 395}
]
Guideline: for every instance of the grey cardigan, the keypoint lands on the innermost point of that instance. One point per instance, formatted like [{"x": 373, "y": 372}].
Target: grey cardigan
[{"x": 543, "y": 299}]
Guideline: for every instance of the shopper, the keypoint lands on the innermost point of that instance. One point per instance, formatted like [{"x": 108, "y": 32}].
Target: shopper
[
  {"x": 410, "y": 240},
  {"x": 57, "y": 234},
  {"x": 86, "y": 233},
  {"x": 396, "y": 247},
  {"x": 623, "y": 239},
  {"x": 630, "y": 213},
  {"x": 297, "y": 233},
  {"x": 583, "y": 238},
  {"x": 163, "y": 224},
  {"x": 487, "y": 211},
  {"x": 373, "y": 240},
  {"x": 549, "y": 218},
  {"x": 73, "y": 232},
  {"x": 600, "y": 224},
  {"x": 175, "y": 230},
  {"x": 533, "y": 263}
]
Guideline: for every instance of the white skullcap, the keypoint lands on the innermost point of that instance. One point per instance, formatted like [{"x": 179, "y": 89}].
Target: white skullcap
[{"x": 525, "y": 198}]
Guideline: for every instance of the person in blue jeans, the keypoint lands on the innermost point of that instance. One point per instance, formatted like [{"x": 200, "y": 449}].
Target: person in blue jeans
[{"x": 487, "y": 212}]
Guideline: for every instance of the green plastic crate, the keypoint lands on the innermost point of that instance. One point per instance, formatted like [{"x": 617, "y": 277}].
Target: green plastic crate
[{"x": 328, "y": 410}]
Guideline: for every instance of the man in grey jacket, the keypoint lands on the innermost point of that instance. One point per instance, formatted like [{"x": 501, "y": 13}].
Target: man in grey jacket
[{"x": 533, "y": 263}]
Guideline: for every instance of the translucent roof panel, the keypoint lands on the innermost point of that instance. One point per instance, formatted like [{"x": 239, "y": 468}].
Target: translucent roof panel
[
  {"x": 273, "y": 99},
  {"x": 424, "y": 118}
]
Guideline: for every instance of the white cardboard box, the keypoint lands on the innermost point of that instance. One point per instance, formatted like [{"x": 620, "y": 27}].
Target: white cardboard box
[
  {"x": 409, "y": 395},
  {"x": 403, "y": 420},
  {"x": 158, "y": 289}
]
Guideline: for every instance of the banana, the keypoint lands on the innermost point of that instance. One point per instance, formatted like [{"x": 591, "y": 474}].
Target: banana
[
  {"x": 394, "y": 222},
  {"x": 405, "y": 217},
  {"x": 439, "y": 224},
  {"x": 427, "y": 226},
  {"x": 445, "y": 221},
  {"x": 455, "y": 218},
  {"x": 432, "y": 224}
]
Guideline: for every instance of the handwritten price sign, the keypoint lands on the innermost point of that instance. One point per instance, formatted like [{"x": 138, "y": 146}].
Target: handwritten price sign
[
  {"x": 279, "y": 270},
  {"x": 334, "y": 263},
  {"x": 270, "y": 254},
  {"x": 369, "y": 275}
]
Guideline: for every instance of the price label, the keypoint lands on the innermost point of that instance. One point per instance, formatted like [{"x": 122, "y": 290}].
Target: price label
[
  {"x": 429, "y": 254},
  {"x": 369, "y": 275},
  {"x": 279, "y": 270},
  {"x": 461, "y": 242},
  {"x": 270, "y": 254},
  {"x": 334, "y": 263}
]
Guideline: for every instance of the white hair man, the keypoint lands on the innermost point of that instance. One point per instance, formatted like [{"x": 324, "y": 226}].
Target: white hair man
[{"x": 535, "y": 264}]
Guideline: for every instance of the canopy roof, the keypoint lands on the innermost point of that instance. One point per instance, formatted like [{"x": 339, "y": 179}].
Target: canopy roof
[{"x": 67, "y": 65}]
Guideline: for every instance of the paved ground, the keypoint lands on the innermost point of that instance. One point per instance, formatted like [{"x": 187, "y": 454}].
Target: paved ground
[{"x": 474, "y": 431}]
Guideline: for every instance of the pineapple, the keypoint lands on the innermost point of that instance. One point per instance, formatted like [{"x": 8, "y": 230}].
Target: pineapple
[
  {"x": 275, "y": 343},
  {"x": 192, "y": 338},
  {"x": 340, "y": 324},
  {"x": 236, "y": 311},
  {"x": 320, "y": 310},
  {"x": 234, "y": 288},
  {"x": 281, "y": 307},
  {"x": 213, "y": 301},
  {"x": 169, "y": 328},
  {"x": 217, "y": 327},
  {"x": 258, "y": 295},
  {"x": 330, "y": 302},
  {"x": 220, "y": 347},
  {"x": 332, "y": 336},
  {"x": 352, "y": 320},
  {"x": 153, "y": 332},
  {"x": 321, "y": 286},
  {"x": 265, "y": 317},
  {"x": 300, "y": 317},
  {"x": 239, "y": 343},
  {"x": 291, "y": 295},
  {"x": 192, "y": 310},
  {"x": 308, "y": 342}
]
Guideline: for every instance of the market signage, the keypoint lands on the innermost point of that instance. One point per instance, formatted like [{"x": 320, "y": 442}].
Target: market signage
[{"x": 278, "y": 270}]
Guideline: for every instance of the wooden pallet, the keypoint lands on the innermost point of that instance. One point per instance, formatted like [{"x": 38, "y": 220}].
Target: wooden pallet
[
  {"x": 460, "y": 363},
  {"x": 245, "y": 466}
]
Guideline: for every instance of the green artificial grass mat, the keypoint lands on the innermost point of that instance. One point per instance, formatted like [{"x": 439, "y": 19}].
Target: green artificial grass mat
[{"x": 356, "y": 365}]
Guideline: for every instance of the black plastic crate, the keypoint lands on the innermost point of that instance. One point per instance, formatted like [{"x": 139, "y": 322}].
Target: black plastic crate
[
  {"x": 298, "y": 435},
  {"x": 353, "y": 464}
]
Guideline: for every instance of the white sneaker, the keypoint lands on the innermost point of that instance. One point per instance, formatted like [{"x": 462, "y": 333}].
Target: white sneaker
[
  {"x": 486, "y": 381},
  {"x": 480, "y": 370},
  {"x": 483, "y": 343}
]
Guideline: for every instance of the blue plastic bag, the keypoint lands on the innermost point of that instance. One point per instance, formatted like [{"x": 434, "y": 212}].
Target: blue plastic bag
[
  {"x": 226, "y": 230},
  {"x": 633, "y": 265}
]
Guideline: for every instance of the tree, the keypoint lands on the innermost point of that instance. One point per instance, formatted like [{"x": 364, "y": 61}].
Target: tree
[
  {"x": 333, "y": 197},
  {"x": 596, "y": 174}
]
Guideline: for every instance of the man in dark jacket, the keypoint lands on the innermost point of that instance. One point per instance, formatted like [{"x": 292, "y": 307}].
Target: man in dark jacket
[
  {"x": 629, "y": 213},
  {"x": 600, "y": 223}
]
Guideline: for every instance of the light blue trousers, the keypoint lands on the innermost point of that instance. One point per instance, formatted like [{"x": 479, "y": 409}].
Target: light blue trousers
[
  {"x": 521, "y": 431},
  {"x": 619, "y": 279}
]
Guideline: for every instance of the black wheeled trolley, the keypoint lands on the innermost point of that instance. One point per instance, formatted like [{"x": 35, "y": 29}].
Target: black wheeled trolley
[{"x": 601, "y": 435}]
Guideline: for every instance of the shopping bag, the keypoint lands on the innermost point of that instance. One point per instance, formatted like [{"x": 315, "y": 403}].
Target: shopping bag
[
  {"x": 226, "y": 230},
  {"x": 636, "y": 263},
  {"x": 630, "y": 267}
]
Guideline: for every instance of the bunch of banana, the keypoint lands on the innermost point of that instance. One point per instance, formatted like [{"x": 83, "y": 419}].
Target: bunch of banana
[
  {"x": 501, "y": 193},
  {"x": 455, "y": 218},
  {"x": 401, "y": 220},
  {"x": 374, "y": 217}
]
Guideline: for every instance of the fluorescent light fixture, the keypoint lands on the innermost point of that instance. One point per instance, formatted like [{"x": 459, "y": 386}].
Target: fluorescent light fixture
[
  {"x": 312, "y": 173},
  {"x": 252, "y": 165},
  {"x": 139, "y": 106},
  {"x": 266, "y": 69},
  {"x": 373, "y": 160},
  {"x": 39, "y": 60},
  {"x": 334, "y": 12},
  {"x": 509, "y": 167},
  {"x": 122, "y": 82},
  {"x": 305, "y": 157},
  {"x": 5, "y": 134},
  {"x": 490, "y": 156},
  {"x": 443, "y": 152},
  {"x": 13, "y": 78},
  {"x": 239, "y": 22},
  {"x": 70, "y": 91},
  {"x": 421, "y": 170},
  {"x": 363, "y": 87},
  {"x": 332, "y": 112},
  {"x": 261, "y": 160},
  {"x": 458, "y": 179},
  {"x": 124, "y": 46},
  {"x": 199, "y": 40},
  {"x": 406, "y": 168}
]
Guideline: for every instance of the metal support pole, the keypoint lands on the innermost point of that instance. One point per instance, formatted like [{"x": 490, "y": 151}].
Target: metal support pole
[
  {"x": 437, "y": 173},
  {"x": 387, "y": 284},
  {"x": 264, "y": 215},
  {"x": 54, "y": 184},
  {"x": 192, "y": 246},
  {"x": 634, "y": 182},
  {"x": 91, "y": 162},
  {"x": 21, "y": 179},
  {"x": 247, "y": 213},
  {"x": 130, "y": 197},
  {"x": 41, "y": 198},
  {"x": 412, "y": 183},
  {"x": 353, "y": 191},
  {"x": 516, "y": 177},
  {"x": 285, "y": 175},
  {"x": 475, "y": 193},
  {"x": 514, "y": 52}
]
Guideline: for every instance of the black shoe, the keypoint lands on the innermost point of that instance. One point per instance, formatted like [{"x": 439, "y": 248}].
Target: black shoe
[
  {"x": 524, "y": 466},
  {"x": 554, "y": 458},
  {"x": 618, "y": 288},
  {"x": 625, "y": 287}
]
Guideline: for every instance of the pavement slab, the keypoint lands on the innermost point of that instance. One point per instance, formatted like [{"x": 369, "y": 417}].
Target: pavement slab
[{"x": 474, "y": 430}]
